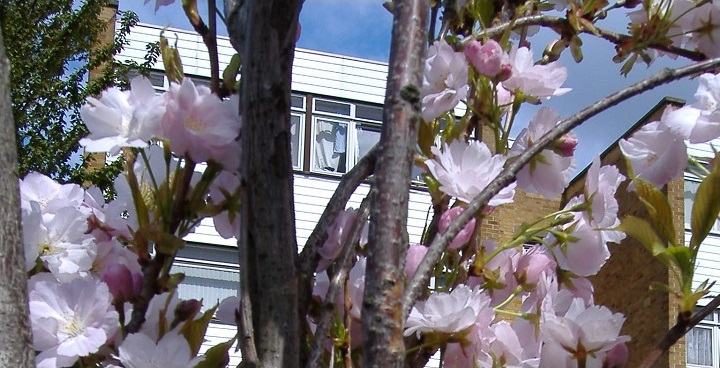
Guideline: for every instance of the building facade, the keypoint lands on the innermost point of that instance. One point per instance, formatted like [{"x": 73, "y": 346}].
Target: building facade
[{"x": 336, "y": 118}]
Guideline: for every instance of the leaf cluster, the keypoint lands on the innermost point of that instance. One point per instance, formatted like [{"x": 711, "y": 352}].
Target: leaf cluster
[{"x": 55, "y": 65}]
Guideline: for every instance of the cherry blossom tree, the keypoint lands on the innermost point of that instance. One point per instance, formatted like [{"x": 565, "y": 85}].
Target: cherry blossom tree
[{"x": 99, "y": 271}]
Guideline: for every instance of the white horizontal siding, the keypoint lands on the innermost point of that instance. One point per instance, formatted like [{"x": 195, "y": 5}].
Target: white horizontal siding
[
  {"x": 313, "y": 72},
  {"x": 312, "y": 194},
  {"x": 708, "y": 263},
  {"x": 218, "y": 333}
]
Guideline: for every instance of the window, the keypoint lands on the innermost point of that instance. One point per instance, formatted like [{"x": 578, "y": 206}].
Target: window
[
  {"x": 297, "y": 130},
  {"x": 330, "y": 136},
  {"x": 342, "y": 133},
  {"x": 691, "y": 187},
  {"x": 702, "y": 343},
  {"x": 211, "y": 273}
]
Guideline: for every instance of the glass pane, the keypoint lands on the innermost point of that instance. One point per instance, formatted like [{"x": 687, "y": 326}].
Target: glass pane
[
  {"x": 297, "y": 101},
  {"x": 295, "y": 133},
  {"x": 368, "y": 112},
  {"x": 330, "y": 146},
  {"x": 367, "y": 137},
  {"x": 699, "y": 346},
  {"x": 332, "y": 107}
]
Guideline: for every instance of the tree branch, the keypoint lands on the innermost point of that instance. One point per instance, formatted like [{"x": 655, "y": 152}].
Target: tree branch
[
  {"x": 15, "y": 335},
  {"x": 308, "y": 259},
  {"x": 337, "y": 281},
  {"x": 558, "y": 23},
  {"x": 383, "y": 344},
  {"x": 264, "y": 32},
  {"x": 422, "y": 275},
  {"x": 209, "y": 39},
  {"x": 678, "y": 331}
]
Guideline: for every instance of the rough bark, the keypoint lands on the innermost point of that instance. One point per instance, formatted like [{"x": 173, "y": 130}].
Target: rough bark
[
  {"x": 382, "y": 317},
  {"x": 264, "y": 32},
  {"x": 15, "y": 337}
]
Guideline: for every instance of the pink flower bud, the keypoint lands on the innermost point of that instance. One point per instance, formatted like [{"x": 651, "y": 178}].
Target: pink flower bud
[
  {"x": 617, "y": 357},
  {"x": 565, "y": 145},
  {"x": 505, "y": 72},
  {"x": 486, "y": 58},
  {"x": 415, "y": 255},
  {"x": 120, "y": 281},
  {"x": 464, "y": 235},
  {"x": 532, "y": 265},
  {"x": 186, "y": 310}
]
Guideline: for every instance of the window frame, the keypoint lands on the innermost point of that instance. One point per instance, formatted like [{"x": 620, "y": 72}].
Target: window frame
[
  {"x": 687, "y": 216},
  {"x": 712, "y": 324}
]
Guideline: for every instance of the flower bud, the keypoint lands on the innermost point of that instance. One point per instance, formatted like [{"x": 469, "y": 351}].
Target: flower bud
[
  {"x": 415, "y": 255},
  {"x": 464, "y": 235},
  {"x": 617, "y": 357},
  {"x": 120, "y": 282},
  {"x": 505, "y": 72},
  {"x": 565, "y": 145},
  {"x": 186, "y": 310},
  {"x": 486, "y": 58}
]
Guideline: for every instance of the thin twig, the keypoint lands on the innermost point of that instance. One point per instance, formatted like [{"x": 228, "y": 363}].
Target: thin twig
[
  {"x": 678, "y": 331},
  {"x": 210, "y": 40},
  {"x": 558, "y": 23},
  {"x": 422, "y": 275},
  {"x": 337, "y": 280}
]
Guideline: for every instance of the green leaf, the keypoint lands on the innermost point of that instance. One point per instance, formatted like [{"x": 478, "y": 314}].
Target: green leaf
[
  {"x": 171, "y": 60},
  {"x": 705, "y": 208},
  {"x": 217, "y": 356},
  {"x": 642, "y": 231},
  {"x": 229, "y": 75},
  {"x": 576, "y": 49},
  {"x": 658, "y": 207},
  {"x": 194, "y": 330}
]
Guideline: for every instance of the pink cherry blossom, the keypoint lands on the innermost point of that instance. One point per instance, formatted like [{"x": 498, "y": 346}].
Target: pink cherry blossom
[
  {"x": 464, "y": 236},
  {"x": 338, "y": 234},
  {"x": 198, "y": 124},
  {"x": 444, "y": 80},
  {"x": 447, "y": 312},
  {"x": 548, "y": 173},
  {"x": 172, "y": 351},
  {"x": 585, "y": 251},
  {"x": 413, "y": 257},
  {"x": 227, "y": 309},
  {"x": 582, "y": 333},
  {"x": 465, "y": 169},
  {"x": 487, "y": 58},
  {"x": 122, "y": 118},
  {"x": 655, "y": 153},
  {"x": 70, "y": 320},
  {"x": 540, "y": 81},
  {"x": 224, "y": 190},
  {"x": 50, "y": 195},
  {"x": 601, "y": 184},
  {"x": 532, "y": 265},
  {"x": 699, "y": 122}
]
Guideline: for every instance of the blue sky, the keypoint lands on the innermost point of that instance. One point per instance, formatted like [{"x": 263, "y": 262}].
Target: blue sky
[{"x": 361, "y": 28}]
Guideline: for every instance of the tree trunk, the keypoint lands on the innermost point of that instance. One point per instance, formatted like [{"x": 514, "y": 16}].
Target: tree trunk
[
  {"x": 382, "y": 315},
  {"x": 264, "y": 32},
  {"x": 15, "y": 337}
]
